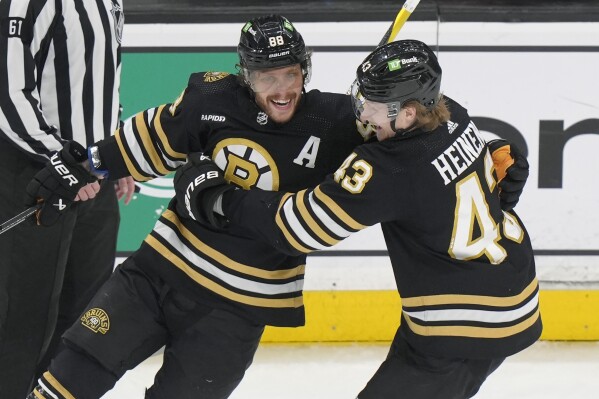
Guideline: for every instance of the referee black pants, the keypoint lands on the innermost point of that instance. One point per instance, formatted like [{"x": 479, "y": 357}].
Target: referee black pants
[{"x": 47, "y": 274}]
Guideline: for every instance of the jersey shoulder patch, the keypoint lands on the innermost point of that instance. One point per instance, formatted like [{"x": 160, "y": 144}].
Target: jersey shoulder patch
[
  {"x": 202, "y": 85},
  {"x": 212, "y": 82},
  {"x": 210, "y": 77}
]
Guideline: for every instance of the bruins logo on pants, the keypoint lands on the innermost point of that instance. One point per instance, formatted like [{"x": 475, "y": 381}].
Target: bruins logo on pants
[{"x": 96, "y": 320}]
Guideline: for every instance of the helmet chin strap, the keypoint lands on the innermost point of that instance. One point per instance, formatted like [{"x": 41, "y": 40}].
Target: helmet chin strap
[{"x": 400, "y": 131}]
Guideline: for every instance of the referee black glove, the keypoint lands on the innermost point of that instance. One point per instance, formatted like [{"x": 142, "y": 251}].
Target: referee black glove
[{"x": 57, "y": 184}]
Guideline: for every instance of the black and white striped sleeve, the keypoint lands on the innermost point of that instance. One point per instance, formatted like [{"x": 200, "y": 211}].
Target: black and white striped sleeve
[
  {"x": 149, "y": 144},
  {"x": 24, "y": 31},
  {"x": 297, "y": 223},
  {"x": 315, "y": 219}
]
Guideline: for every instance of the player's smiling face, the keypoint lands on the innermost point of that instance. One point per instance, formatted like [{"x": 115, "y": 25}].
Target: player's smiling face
[{"x": 278, "y": 91}]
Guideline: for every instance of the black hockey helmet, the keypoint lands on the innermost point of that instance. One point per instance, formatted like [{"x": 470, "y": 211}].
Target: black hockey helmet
[
  {"x": 272, "y": 42},
  {"x": 398, "y": 72}
]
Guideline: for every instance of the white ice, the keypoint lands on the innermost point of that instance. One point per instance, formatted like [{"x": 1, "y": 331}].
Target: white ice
[{"x": 547, "y": 370}]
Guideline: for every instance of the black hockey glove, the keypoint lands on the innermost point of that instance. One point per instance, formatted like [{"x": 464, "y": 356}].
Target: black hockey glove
[
  {"x": 512, "y": 171},
  {"x": 198, "y": 185},
  {"x": 58, "y": 183}
]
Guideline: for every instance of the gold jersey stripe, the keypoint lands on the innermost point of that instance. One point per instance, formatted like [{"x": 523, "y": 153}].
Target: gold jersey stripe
[
  {"x": 162, "y": 136},
  {"x": 337, "y": 210},
  {"x": 301, "y": 206},
  {"x": 470, "y": 331},
  {"x": 288, "y": 236},
  {"x": 130, "y": 167},
  {"x": 294, "y": 302},
  {"x": 224, "y": 260},
  {"x": 57, "y": 385},
  {"x": 449, "y": 299},
  {"x": 148, "y": 145},
  {"x": 39, "y": 395}
]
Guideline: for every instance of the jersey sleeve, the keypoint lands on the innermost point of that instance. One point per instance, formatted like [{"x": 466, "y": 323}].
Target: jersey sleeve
[
  {"x": 354, "y": 197},
  {"x": 144, "y": 147},
  {"x": 22, "y": 121},
  {"x": 155, "y": 142}
]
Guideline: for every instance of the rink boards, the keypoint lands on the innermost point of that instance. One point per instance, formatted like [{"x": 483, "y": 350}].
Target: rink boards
[{"x": 363, "y": 305}]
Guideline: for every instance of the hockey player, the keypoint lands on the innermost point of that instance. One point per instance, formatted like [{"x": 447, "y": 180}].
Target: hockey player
[
  {"x": 204, "y": 293},
  {"x": 463, "y": 266}
]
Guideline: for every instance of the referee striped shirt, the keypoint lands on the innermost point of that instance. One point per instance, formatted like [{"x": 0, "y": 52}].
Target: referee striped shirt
[{"x": 59, "y": 72}]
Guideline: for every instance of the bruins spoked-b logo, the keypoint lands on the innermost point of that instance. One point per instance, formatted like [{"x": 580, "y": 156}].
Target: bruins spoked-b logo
[
  {"x": 210, "y": 77},
  {"x": 96, "y": 320},
  {"x": 246, "y": 164}
]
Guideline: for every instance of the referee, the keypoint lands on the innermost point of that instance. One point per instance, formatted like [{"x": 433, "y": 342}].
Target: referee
[{"x": 59, "y": 80}]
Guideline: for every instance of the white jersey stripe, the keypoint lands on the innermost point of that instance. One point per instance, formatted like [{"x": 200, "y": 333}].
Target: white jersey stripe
[
  {"x": 47, "y": 390},
  {"x": 483, "y": 316},
  {"x": 29, "y": 134},
  {"x": 238, "y": 282},
  {"x": 136, "y": 147},
  {"x": 304, "y": 236},
  {"x": 326, "y": 220},
  {"x": 42, "y": 24},
  {"x": 149, "y": 121},
  {"x": 97, "y": 73},
  {"x": 25, "y": 109}
]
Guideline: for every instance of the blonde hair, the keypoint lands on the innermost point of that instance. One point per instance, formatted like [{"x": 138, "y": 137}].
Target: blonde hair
[{"x": 429, "y": 120}]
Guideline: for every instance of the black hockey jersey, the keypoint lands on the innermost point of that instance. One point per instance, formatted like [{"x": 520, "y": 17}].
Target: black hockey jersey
[
  {"x": 464, "y": 268},
  {"x": 217, "y": 116}
]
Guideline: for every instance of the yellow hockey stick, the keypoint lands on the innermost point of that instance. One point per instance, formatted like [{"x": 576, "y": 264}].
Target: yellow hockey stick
[{"x": 401, "y": 18}]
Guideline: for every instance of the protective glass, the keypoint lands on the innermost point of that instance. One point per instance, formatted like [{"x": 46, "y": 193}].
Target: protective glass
[
  {"x": 274, "y": 79},
  {"x": 371, "y": 111},
  {"x": 357, "y": 99}
]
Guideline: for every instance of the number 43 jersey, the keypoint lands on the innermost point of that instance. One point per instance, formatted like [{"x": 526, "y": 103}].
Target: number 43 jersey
[
  {"x": 463, "y": 267},
  {"x": 217, "y": 116}
]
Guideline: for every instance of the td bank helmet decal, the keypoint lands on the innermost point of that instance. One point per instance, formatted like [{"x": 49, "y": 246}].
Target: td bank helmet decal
[
  {"x": 96, "y": 320},
  {"x": 246, "y": 164}
]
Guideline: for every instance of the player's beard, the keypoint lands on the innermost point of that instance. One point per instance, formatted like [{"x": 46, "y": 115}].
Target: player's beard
[{"x": 280, "y": 107}]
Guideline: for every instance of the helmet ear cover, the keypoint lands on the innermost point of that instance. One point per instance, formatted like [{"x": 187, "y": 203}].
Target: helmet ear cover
[
  {"x": 272, "y": 42},
  {"x": 399, "y": 72}
]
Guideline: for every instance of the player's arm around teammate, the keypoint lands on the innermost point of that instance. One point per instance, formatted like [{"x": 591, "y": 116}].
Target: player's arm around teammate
[{"x": 463, "y": 265}]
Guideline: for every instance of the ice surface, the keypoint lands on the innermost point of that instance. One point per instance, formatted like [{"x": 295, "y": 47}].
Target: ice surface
[{"x": 547, "y": 370}]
